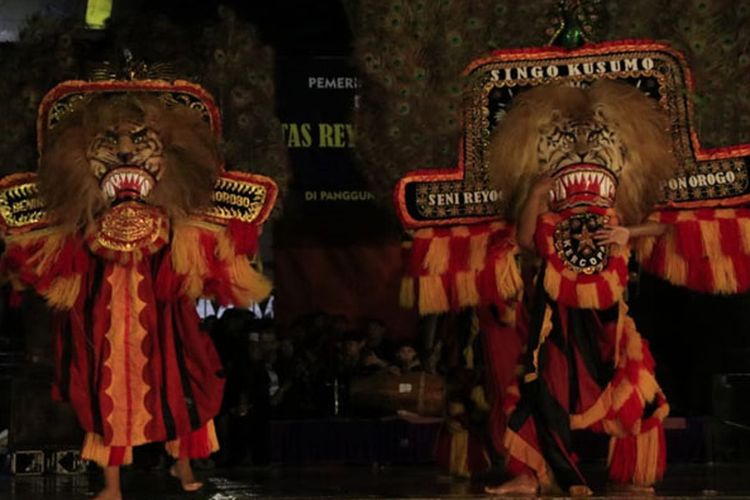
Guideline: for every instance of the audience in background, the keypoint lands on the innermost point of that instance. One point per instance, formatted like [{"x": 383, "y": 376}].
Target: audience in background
[{"x": 305, "y": 373}]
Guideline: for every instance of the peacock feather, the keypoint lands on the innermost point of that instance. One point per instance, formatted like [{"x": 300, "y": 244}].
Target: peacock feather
[
  {"x": 227, "y": 58},
  {"x": 411, "y": 53}
]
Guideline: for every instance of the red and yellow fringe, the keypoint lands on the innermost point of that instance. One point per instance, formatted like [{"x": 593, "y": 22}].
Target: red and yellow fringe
[
  {"x": 637, "y": 452},
  {"x": 208, "y": 260},
  {"x": 706, "y": 250},
  {"x": 464, "y": 266},
  {"x": 575, "y": 289},
  {"x": 50, "y": 261}
]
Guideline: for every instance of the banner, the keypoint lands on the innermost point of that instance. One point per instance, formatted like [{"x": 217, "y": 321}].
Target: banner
[
  {"x": 716, "y": 177},
  {"x": 336, "y": 250}
]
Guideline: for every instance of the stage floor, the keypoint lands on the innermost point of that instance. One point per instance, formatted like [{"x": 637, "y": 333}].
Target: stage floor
[{"x": 722, "y": 481}]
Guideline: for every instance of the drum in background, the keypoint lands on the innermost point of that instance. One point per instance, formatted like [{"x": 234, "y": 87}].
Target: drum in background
[{"x": 387, "y": 393}]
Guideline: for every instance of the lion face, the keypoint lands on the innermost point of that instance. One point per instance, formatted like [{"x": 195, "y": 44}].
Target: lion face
[
  {"x": 584, "y": 156},
  {"x": 606, "y": 145},
  {"x": 127, "y": 160},
  {"x": 131, "y": 147}
]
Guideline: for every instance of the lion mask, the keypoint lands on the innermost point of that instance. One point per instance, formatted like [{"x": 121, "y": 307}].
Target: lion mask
[
  {"x": 605, "y": 145},
  {"x": 127, "y": 147}
]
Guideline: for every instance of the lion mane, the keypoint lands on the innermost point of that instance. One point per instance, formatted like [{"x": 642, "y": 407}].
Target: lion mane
[
  {"x": 68, "y": 186},
  {"x": 641, "y": 126}
]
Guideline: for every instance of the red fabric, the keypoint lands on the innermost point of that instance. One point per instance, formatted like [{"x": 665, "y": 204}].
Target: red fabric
[
  {"x": 217, "y": 284},
  {"x": 502, "y": 346},
  {"x": 517, "y": 468},
  {"x": 460, "y": 250},
  {"x": 624, "y": 456},
  {"x": 418, "y": 252},
  {"x": 182, "y": 369},
  {"x": 196, "y": 444},
  {"x": 117, "y": 456},
  {"x": 689, "y": 239},
  {"x": 244, "y": 236},
  {"x": 631, "y": 411}
]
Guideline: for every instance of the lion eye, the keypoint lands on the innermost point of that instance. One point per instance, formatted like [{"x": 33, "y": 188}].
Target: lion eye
[
  {"x": 138, "y": 137},
  {"x": 110, "y": 137}
]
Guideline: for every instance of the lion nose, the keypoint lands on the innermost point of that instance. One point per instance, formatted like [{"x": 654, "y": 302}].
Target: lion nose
[{"x": 124, "y": 156}]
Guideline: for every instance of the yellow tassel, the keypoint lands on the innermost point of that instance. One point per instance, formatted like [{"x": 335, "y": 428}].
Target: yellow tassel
[
  {"x": 634, "y": 344},
  {"x": 661, "y": 412},
  {"x": 52, "y": 242},
  {"x": 459, "y": 453},
  {"x": 595, "y": 413},
  {"x": 647, "y": 385},
  {"x": 95, "y": 450},
  {"x": 188, "y": 258},
  {"x": 546, "y": 329},
  {"x": 588, "y": 297},
  {"x": 684, "y": 215},
  {"x": 744, "y": 226},
  {"x": 469, "y": 349},
  {"x": 432, "y": 295},
  {"x": 224, "y": 246},
  {"x": 675, "y": 266},
  {"x": 438, "y": 254},
  {"x": 522, "y": 451},
  {"x": 621, "y": 393},
  {"x": 645, "y": 247},
  {"x": 508, "y": 315},
  {"x": 478, "y": 251},
  {"x": 460, "y": 232},
  {"x": 213, "y": 440},
  {"x": 248, "y": 285},
  {"x": 711, "y": 237},
  {"x": 425, "y": 234},
  {"x": 725, "y": 213},
  {"x": 725, "y": 277},
  {"x": 479, "y": 398},
  {"x": 615, "y": 286},
  {"x": 406, "y": 295},
  {"x": 552, "y": 280},
  {"x": 647, "y": 457},
  {"x": 63, "y": 292},
  {"x": 508, "y": 277},
  {"x": 466, "y": 288}
]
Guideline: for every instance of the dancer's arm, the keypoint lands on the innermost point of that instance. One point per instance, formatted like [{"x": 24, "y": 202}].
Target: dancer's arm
[{"x": 620, "y": 235}]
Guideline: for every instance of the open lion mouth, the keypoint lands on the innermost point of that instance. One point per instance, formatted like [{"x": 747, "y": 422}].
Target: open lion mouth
[
  {"x": 582, "y": 184},
  {"x": 127, "y": 183}
]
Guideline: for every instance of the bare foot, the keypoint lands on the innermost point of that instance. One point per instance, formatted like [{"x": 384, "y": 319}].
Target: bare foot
[
  {"x": 109, "y": 494},
  {"x": 519, "y": 485},
  {"x": 580, "y": 490},
  {"x": 111, "y": 489},
  {"x": 629, "y": 489},
  {"x": 182, "y": 471}
]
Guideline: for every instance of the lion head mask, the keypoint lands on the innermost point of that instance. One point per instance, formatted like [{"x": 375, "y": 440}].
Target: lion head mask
[
  {"x": 606, "y": 145},
  {"x": 127, "y": 147}
]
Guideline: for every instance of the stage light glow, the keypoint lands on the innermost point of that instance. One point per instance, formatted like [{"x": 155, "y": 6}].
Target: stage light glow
[{"x": 97, "y": 13}]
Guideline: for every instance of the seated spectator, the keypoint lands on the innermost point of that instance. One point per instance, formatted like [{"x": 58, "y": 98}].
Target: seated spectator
[
  {"x": 377, "y": 351},
  {"x": 406, "y": 361},
  {"x": 350, "y": 362}
]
